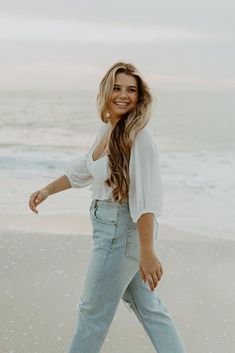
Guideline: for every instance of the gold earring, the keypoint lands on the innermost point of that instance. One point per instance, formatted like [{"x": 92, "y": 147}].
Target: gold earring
[{"x": 107, "y": 116}]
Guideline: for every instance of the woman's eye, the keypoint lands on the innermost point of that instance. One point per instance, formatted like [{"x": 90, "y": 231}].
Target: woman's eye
[{"x": 132, "y": 90}]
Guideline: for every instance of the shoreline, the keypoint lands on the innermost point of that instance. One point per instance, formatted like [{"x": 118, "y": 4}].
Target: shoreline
[{"x": 80, "y": 224}]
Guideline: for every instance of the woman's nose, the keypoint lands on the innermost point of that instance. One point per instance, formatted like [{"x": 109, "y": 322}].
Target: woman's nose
[{"x": 122, "y": 94}]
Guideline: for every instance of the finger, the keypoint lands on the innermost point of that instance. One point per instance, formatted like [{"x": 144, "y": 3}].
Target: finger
[
  {"x": 31, "y": 202},
  {"x": 161, "y": 270},
  {"x": 158, "y": 274},
  {"x": 33, "y": 208},
  {"x": 38, "y": 198},
  {"x": 155, "y": 280},
  {"x": 32, "y": 198},
  {"x": 32, "y": 205},
  {"x": 150, "y": 282}
]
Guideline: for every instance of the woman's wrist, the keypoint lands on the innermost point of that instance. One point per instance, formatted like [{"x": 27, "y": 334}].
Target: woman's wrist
[
  {"x": 146, "y": 250},
  {"x": 46, "y": 189}
]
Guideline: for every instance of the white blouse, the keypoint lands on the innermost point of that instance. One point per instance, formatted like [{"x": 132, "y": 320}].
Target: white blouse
[{"x": 145, "y": 189}]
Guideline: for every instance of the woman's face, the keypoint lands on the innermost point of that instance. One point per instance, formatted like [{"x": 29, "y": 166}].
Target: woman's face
[{"x": 124, "y": 95}]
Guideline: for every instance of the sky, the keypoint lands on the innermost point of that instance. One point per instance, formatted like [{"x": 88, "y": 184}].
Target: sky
[{"x": 69, "y": 45}]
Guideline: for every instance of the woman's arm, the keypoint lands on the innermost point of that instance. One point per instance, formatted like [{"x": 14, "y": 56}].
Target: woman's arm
[
  {"x": 55, "y": 186},
  {"x": 146, "y": 228},
  {"x": 149, "y": 263},
  {"x": 76, "y": 175},
  {"x": 58, "y": 185}
]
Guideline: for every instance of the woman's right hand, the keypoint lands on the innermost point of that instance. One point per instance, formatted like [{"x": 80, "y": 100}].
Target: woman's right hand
[{"x": 38, "y": 197}]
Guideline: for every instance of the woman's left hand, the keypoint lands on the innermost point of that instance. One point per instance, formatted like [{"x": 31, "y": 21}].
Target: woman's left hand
[{"x": 150, "y": 268}]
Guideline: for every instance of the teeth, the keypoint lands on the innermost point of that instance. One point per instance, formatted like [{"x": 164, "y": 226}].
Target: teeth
[{"x": 122, "y": 104}]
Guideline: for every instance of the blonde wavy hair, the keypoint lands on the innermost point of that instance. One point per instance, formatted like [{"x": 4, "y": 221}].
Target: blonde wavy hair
[{"x": 125, "y": 130}]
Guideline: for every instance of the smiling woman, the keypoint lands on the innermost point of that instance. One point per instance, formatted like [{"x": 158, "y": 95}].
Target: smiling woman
[
  {"x": 125, "y": 94},
  {"x": 122, "y": 167}
]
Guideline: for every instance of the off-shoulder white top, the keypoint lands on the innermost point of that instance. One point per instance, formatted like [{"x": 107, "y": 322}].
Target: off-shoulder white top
[{"x": 145, "y": 189}]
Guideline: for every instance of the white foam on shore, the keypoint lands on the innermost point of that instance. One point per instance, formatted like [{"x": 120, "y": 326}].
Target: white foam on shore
[{"x": 199, "y": 193}]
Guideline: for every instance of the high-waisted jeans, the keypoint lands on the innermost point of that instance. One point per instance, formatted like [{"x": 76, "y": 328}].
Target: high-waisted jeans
[{"x": 113, "y": 274}]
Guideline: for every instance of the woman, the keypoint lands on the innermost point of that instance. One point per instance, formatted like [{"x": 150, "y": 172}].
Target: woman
[{"x": 123, "y": 170}]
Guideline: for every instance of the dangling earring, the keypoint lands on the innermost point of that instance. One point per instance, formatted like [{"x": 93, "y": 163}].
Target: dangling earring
[{"x": 108, "y": 116}]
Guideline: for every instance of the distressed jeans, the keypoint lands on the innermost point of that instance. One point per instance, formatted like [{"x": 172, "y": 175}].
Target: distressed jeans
[{"x": 113, "y": 274}]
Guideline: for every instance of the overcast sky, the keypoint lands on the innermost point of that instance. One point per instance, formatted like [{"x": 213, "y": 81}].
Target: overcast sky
[{"x": 68, "y": 45}]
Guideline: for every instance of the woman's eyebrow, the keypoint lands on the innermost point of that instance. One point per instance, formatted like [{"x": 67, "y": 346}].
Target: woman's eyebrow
[{"x": 116, "y": 85}]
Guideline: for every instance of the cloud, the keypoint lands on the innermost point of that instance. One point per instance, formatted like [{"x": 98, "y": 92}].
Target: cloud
[
  {"x": 58, "y": 43},
  {"x": 203, "y": 15},
  {"x": 29, "y": 29}
]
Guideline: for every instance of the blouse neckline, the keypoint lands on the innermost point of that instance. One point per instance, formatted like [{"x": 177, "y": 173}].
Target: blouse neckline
[{"x": 100, "y": 137}]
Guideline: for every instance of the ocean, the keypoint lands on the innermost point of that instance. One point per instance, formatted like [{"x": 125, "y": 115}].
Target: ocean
[{"x": 40, "y": 132}]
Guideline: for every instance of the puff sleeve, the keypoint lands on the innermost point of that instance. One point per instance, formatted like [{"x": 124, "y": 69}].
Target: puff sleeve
[
  {"x": 145, "y": 190},
  {"x": 76, "y": 171}
]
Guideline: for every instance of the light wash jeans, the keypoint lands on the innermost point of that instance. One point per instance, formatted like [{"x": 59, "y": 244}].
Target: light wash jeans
[{"x": 113, "y": 273}]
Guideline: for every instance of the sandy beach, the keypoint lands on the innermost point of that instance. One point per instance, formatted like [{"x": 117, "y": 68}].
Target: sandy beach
[{"x": 43, "y": 259}]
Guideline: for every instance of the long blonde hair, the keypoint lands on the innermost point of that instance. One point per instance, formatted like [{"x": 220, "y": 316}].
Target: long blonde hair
[{"x": 124, "y": 132}]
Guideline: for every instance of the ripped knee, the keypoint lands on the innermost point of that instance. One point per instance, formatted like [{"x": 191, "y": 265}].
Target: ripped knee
[{"x": 84, "y": 307}]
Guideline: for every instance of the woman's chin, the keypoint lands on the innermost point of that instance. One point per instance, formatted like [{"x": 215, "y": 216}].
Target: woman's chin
[{"x": 119, "y": 112}]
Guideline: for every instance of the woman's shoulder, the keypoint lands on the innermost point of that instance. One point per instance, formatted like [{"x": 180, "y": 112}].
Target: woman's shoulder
[
  {"x": 102, "y": 127},
  {"x": 145, "y": 136}
]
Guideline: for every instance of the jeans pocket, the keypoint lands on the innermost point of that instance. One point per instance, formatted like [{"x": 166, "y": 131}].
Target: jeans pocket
[
  {"x": 132, "y": 246},
  {"x": 104, "y": 215}
]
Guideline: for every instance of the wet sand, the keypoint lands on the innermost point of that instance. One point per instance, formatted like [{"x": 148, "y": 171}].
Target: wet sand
[{"x": 43, "y": 259}]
